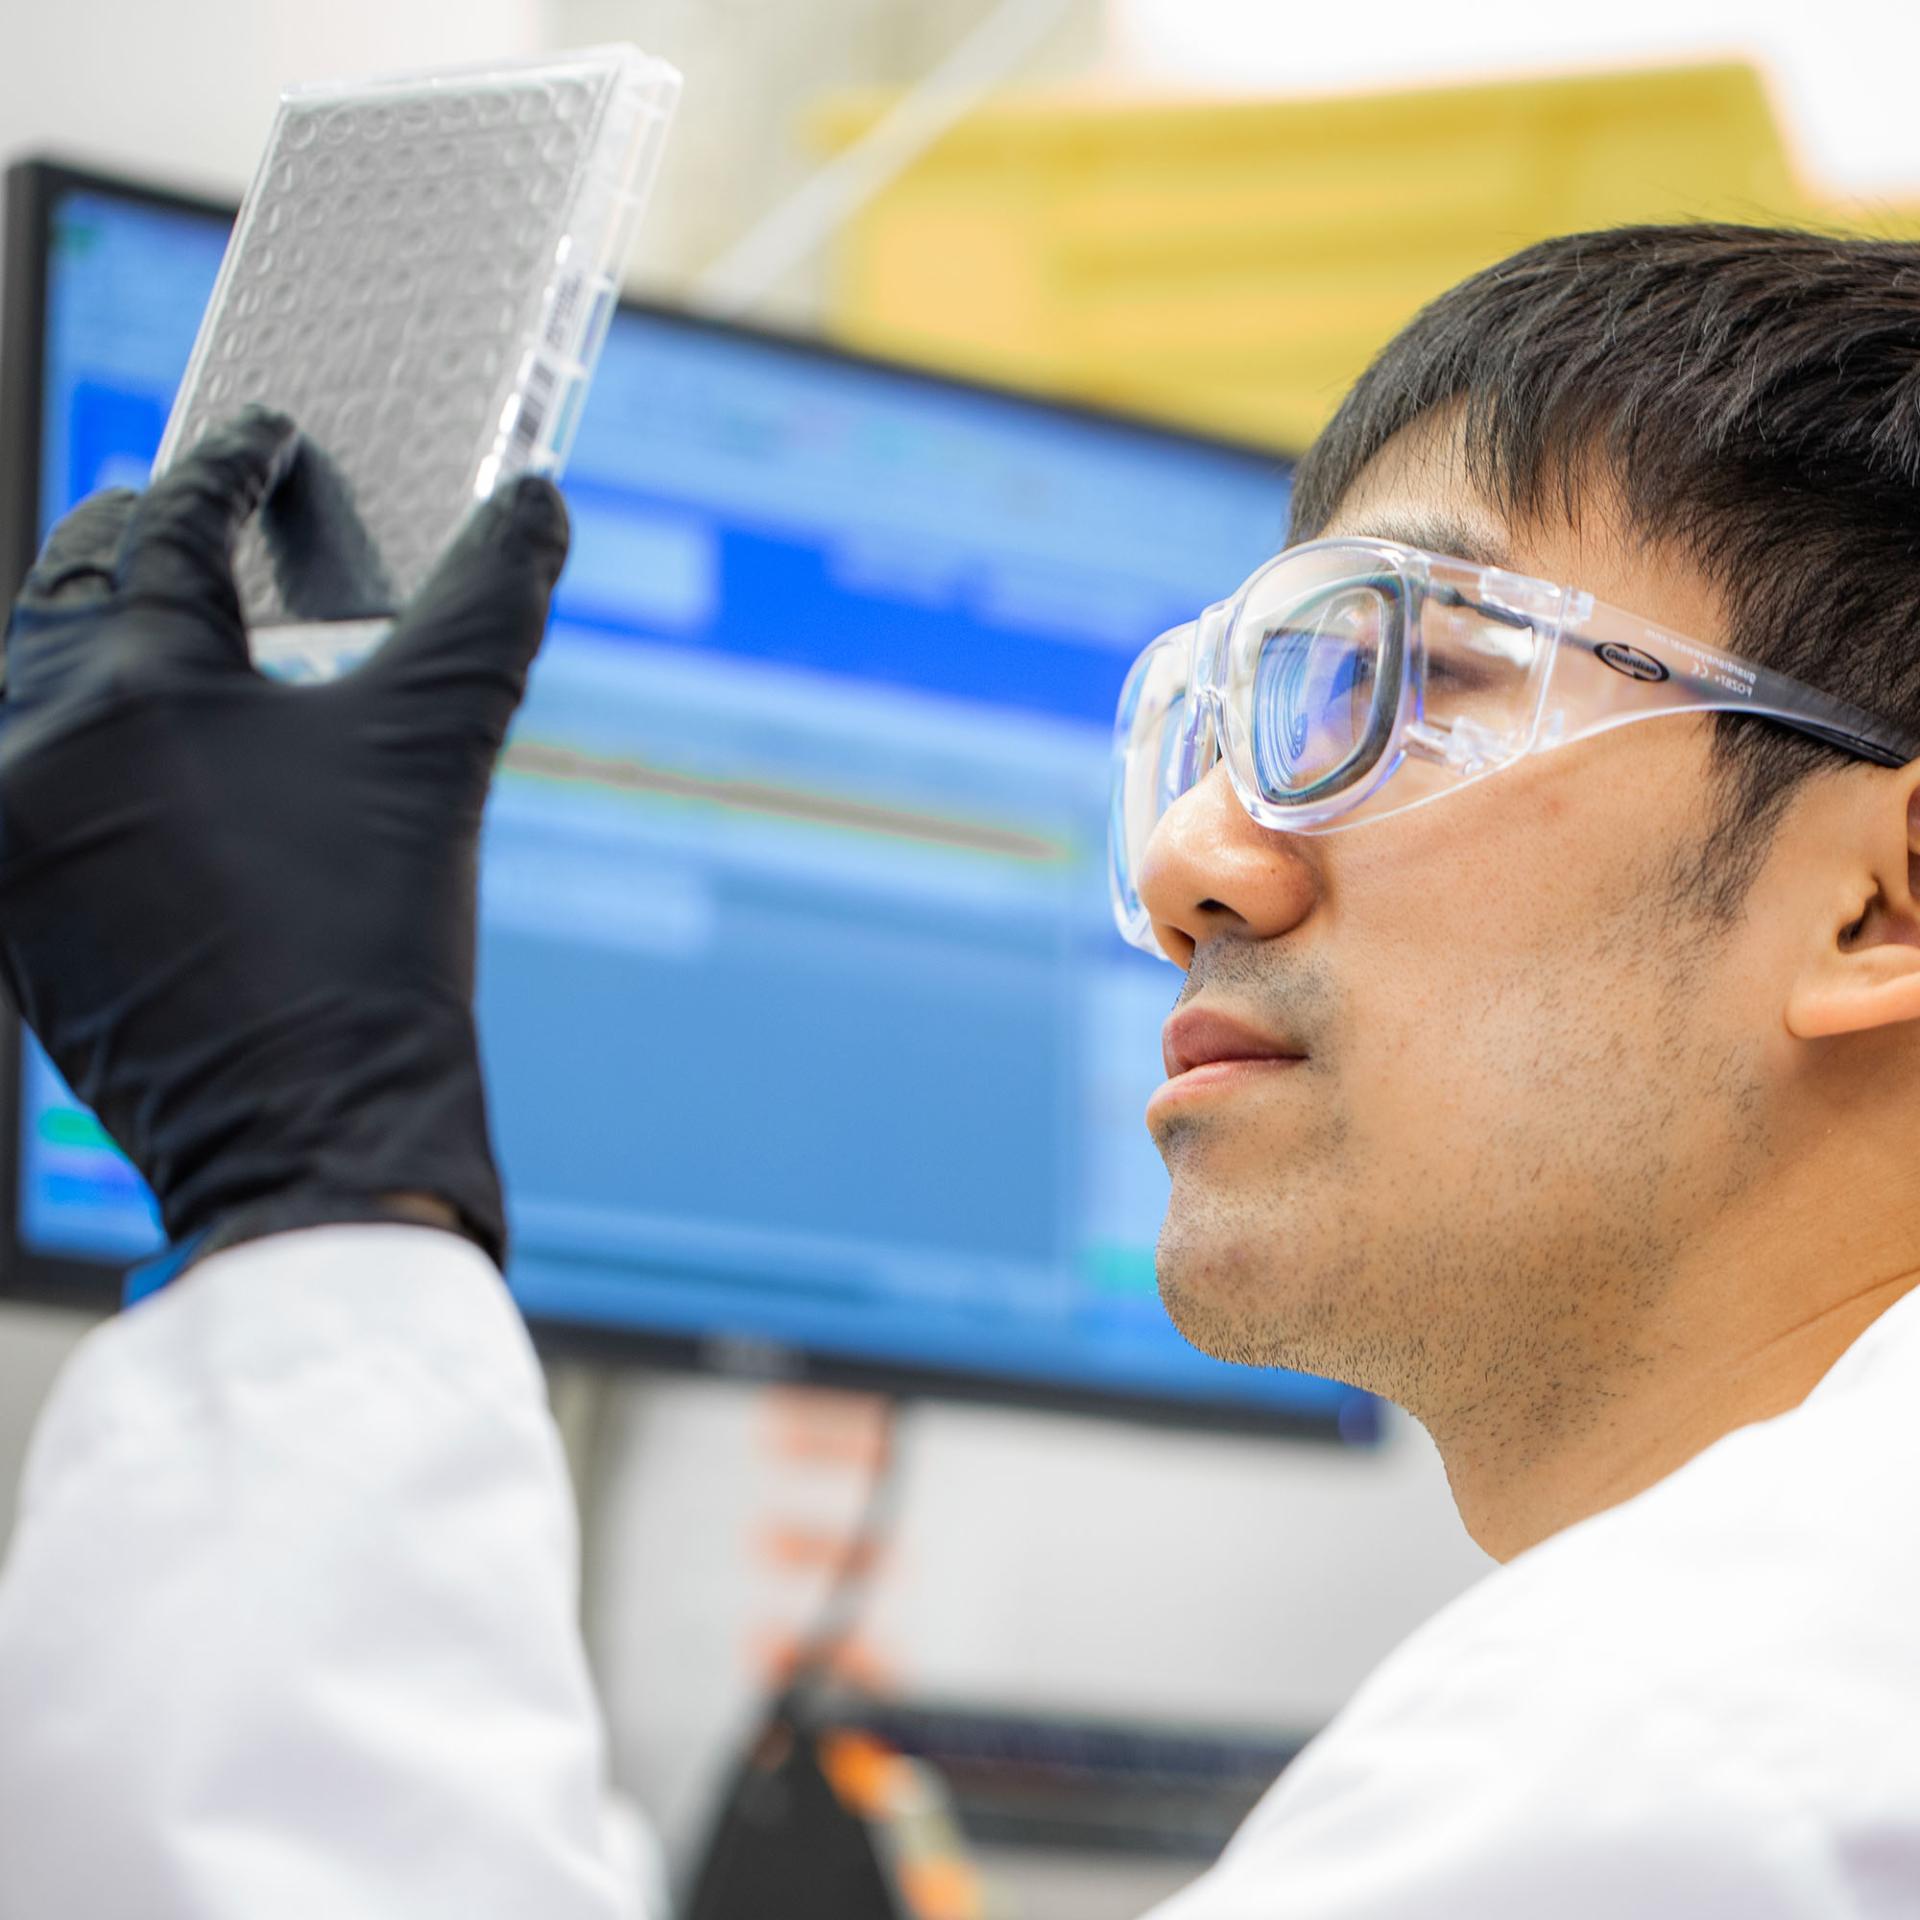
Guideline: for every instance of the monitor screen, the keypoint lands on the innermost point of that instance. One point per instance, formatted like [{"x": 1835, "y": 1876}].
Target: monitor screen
[{"x": 810, "y": 1043}]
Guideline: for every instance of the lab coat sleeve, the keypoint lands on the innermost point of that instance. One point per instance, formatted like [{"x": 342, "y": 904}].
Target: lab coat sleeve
[{"x": 288, "y": 1625}]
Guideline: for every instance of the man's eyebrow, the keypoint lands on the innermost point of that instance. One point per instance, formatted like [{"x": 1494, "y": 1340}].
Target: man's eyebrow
[{"x": 1437, "y": 533}]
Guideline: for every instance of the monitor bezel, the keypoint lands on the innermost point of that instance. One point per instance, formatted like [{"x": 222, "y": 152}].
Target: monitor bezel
[{"x": 33, "y": 189}]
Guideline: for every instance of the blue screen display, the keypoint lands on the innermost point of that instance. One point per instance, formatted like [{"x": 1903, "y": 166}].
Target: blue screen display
[{"x": 805, "y": 1023}]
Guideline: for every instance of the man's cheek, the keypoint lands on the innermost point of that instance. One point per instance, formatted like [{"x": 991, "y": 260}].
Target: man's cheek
[{"x": 1420, "y": 1077}]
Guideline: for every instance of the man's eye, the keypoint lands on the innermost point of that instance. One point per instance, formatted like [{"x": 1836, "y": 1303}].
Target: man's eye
[{"x": 1456, "y": 675}]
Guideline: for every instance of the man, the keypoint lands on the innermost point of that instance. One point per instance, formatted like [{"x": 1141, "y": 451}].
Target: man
[{"x": 1547, "y": 1060}]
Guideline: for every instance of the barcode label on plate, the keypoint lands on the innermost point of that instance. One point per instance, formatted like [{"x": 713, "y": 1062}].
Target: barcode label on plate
[{"x": 535, "y": 399}]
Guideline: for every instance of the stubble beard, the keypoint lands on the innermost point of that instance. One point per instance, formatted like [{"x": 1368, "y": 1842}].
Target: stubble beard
[{"x": 1516, "y": 1305}]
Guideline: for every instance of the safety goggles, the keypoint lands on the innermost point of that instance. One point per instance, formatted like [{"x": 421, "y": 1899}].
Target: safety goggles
[{"x": 1352, "y": 679}]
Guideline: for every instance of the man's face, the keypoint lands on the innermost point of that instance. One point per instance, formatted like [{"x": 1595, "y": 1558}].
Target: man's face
[{"x": 1531, "y": 1074}]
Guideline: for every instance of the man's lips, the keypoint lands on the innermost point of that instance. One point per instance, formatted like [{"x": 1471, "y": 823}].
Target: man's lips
[{"x": 1200, "y": 1037}]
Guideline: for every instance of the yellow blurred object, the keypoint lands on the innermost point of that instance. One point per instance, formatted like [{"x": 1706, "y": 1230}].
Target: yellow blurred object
[{"x": 1234, "y": 264}]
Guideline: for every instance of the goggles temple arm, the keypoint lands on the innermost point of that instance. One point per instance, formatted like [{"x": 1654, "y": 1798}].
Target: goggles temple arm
[{"x": 1627, "y": 668}]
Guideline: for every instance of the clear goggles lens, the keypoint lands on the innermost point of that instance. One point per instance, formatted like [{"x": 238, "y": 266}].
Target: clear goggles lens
[
  {"x": 1300, "y": 662},
  {"x": 1313, "y": 678},
  {"x": 1346, "y": 680}
]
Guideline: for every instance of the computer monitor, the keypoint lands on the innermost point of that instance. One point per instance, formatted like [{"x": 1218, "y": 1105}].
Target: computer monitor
[{"x": 811, "y": 1046}]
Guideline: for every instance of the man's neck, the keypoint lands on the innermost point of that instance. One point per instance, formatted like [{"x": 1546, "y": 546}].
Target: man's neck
[{"x": 1720, "y": 1364}]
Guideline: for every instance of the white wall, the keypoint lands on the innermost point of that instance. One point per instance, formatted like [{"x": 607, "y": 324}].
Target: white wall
[
  {"x": 187, "y": 87},
  {"x": 1089, "y": 1567},
  {"x": 1095, "y": 1567}
]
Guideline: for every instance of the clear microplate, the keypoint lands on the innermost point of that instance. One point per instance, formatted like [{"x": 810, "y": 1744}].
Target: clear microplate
[{"x": 421, "y": 276}]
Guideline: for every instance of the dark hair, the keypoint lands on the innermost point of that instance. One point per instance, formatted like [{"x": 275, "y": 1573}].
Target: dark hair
[{"x": 1754, "y": 394}]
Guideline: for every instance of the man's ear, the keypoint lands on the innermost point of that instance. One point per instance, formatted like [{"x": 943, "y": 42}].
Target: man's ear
[{"x": 1862, "y": 968}]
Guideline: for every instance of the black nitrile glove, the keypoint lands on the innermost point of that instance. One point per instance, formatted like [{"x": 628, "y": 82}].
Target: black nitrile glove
[{"x": 240, "y": 914}]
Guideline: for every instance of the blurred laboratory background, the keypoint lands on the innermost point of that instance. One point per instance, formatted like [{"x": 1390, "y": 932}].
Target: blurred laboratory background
[{"x": 967, "y": 346}]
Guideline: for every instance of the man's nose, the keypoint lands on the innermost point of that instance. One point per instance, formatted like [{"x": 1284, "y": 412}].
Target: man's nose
[{"x": 1209, "y": 870}]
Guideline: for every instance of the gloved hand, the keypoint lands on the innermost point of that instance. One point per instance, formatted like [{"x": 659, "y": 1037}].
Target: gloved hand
[{"x": 240, "y": 914}]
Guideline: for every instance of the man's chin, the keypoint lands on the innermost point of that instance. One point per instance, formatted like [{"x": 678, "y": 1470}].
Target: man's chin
[
  {"x": 1255, "y": 1315},
  {"x": 1203, "y": 1325},
  {"x": 1219, "y": 1307}
]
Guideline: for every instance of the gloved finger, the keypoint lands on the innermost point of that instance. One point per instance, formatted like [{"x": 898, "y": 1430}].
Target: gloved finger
[
  {"x": 74, "y": 571},
  {"x": 178, "y": 547},
  {"x": 469, "y": 635},
  {"x": 76, "y": 564},
  {"x": 325, "y": 562}
]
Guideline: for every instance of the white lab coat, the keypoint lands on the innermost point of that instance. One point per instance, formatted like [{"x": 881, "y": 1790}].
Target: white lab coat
[{"x": 288, "y": 1628}]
